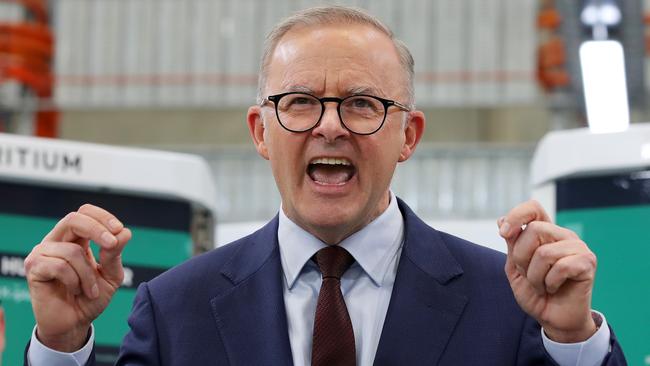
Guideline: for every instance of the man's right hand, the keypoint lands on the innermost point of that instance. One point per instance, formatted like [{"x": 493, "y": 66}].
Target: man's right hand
[{"x": 69, "y": 288}]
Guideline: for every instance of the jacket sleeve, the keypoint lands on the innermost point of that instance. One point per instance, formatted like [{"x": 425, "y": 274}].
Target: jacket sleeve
[
  {"x": 140, "y": 345},
  {"x": 531, "y": 349},
  {"x": 615, "y": 356}
]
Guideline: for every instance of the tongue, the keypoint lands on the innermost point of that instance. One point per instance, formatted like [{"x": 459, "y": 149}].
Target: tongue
[{"x": 330, "y": 174}]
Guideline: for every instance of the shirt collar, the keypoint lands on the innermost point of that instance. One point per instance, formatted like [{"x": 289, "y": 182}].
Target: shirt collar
[{"x": 372, "y": 247}]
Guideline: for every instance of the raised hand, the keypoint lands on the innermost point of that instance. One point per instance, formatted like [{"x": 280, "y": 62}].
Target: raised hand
[
  {"x": 551, "y": 272},
  {"x": 69, "y": 288}
]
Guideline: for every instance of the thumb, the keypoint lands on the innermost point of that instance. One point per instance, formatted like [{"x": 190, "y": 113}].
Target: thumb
[
  {"x": 510, "y": 268},
  {"x": 504, "y": 227},
  {"x": 110, "y": 260}
]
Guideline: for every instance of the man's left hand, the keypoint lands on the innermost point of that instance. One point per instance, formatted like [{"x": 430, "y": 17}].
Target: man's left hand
[{"x": 551, "y": 272}]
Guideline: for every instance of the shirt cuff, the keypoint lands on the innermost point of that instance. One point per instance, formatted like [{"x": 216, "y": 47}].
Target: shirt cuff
[
  {"x": 588, "y": 353},
  {"x": 40, "y": 355}
]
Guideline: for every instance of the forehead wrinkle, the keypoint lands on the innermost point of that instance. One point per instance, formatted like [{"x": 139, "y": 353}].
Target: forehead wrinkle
[
  {"x": 344, "y": 91},
  {"x": 305, "y": 81},
  {"x": 360, "y": 81},
  {"x": 290, "y": 86}
]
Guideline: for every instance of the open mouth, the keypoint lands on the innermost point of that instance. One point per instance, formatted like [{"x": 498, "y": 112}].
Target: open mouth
[{"x": 331, "y": 171}]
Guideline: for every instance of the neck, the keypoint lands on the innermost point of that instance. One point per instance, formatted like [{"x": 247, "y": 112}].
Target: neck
[{"x": 334, "y": 235}]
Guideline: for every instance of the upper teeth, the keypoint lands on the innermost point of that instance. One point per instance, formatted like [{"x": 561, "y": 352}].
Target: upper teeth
[{"x": 331, "y": 161}]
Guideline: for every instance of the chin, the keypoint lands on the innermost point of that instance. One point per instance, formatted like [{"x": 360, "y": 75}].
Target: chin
[
  {"x": 334, "y": 222},
  {"x": 331, "y": 218}
]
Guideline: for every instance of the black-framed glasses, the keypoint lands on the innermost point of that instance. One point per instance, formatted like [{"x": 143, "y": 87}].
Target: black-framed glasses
[{"x": 360, "y": 113}]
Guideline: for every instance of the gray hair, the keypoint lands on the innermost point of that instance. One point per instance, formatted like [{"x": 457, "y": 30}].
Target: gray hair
[{"x": 333, "y": 15}]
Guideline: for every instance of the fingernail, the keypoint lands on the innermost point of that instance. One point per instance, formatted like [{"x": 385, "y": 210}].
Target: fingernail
[
  {"x": 500, "y": 220},
  {"x": 108, "y": 239},
  {"x": 504, "y": 229},
  {"x": 115, "y": 224},
  {"x": 95, "y": 291}
]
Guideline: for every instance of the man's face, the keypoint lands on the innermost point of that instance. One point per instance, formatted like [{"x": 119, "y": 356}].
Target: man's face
[{"x": 334, "y": 182}]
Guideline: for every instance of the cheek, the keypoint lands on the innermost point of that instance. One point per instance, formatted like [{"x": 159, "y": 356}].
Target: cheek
[
  {"x": 379, "y": 165},
  {"x": 274, "y": 141},
  {"x": 388, "y": 146},
  {"x": 383, "y": 158},
  {"x": 285, "y": 152}
]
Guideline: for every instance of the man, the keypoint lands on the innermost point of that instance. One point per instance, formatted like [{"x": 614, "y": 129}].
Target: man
[{"x": 335, "y": 116}]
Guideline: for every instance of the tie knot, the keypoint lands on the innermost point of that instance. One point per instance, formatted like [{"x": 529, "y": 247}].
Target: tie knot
[{"x": 333, "y": 261}]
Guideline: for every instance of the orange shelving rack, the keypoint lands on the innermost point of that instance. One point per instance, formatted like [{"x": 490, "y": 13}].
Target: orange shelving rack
[{"x": 27, "y": 58}]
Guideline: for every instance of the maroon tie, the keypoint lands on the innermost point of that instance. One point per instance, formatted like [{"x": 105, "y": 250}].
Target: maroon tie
[{"x": 333, "y": 343}]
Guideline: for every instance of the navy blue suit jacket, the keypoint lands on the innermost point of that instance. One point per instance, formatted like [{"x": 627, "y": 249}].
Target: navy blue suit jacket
[{"x": 451, "y": 305}]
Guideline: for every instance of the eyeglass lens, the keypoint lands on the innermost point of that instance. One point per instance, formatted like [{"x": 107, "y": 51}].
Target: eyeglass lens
[{"x": 360, "y": 114}]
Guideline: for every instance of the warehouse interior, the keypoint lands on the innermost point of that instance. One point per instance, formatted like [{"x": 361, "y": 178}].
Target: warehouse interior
[{"x": 491, "y": 76}]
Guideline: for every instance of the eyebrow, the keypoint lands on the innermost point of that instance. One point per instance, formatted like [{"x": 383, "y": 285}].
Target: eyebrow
[
  {"x": 300, "y": 88},
  {"x": 362, "y": 90},
  {"x": 349, "y": 91}
]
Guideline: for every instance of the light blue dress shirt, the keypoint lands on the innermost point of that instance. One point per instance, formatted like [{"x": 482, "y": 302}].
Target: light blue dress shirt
[
  {"x": 366, "y": 288},
  {"x": 366, "y": 285}
]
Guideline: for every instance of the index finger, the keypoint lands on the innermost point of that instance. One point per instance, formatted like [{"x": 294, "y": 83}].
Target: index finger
[
  {"x": 108, "y": 219},
  {"x": 511, "y": 225},
  {"x": 89, "y": 222}
]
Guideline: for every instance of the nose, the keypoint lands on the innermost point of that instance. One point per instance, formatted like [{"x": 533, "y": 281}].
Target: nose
[{"x": 330, "y": 127}]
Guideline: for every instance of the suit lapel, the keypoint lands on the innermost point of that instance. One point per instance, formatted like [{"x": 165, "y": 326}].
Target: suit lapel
[
  {"x": 250, "y": 314},
  {"x": 423, "y": 309},
  {"x": 421, "y": 317}
]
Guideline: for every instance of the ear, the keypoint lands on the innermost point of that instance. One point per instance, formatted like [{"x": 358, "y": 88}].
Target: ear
[
  {"x": 256, "y": 129},
  {"x": 413, "y": 133}
]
